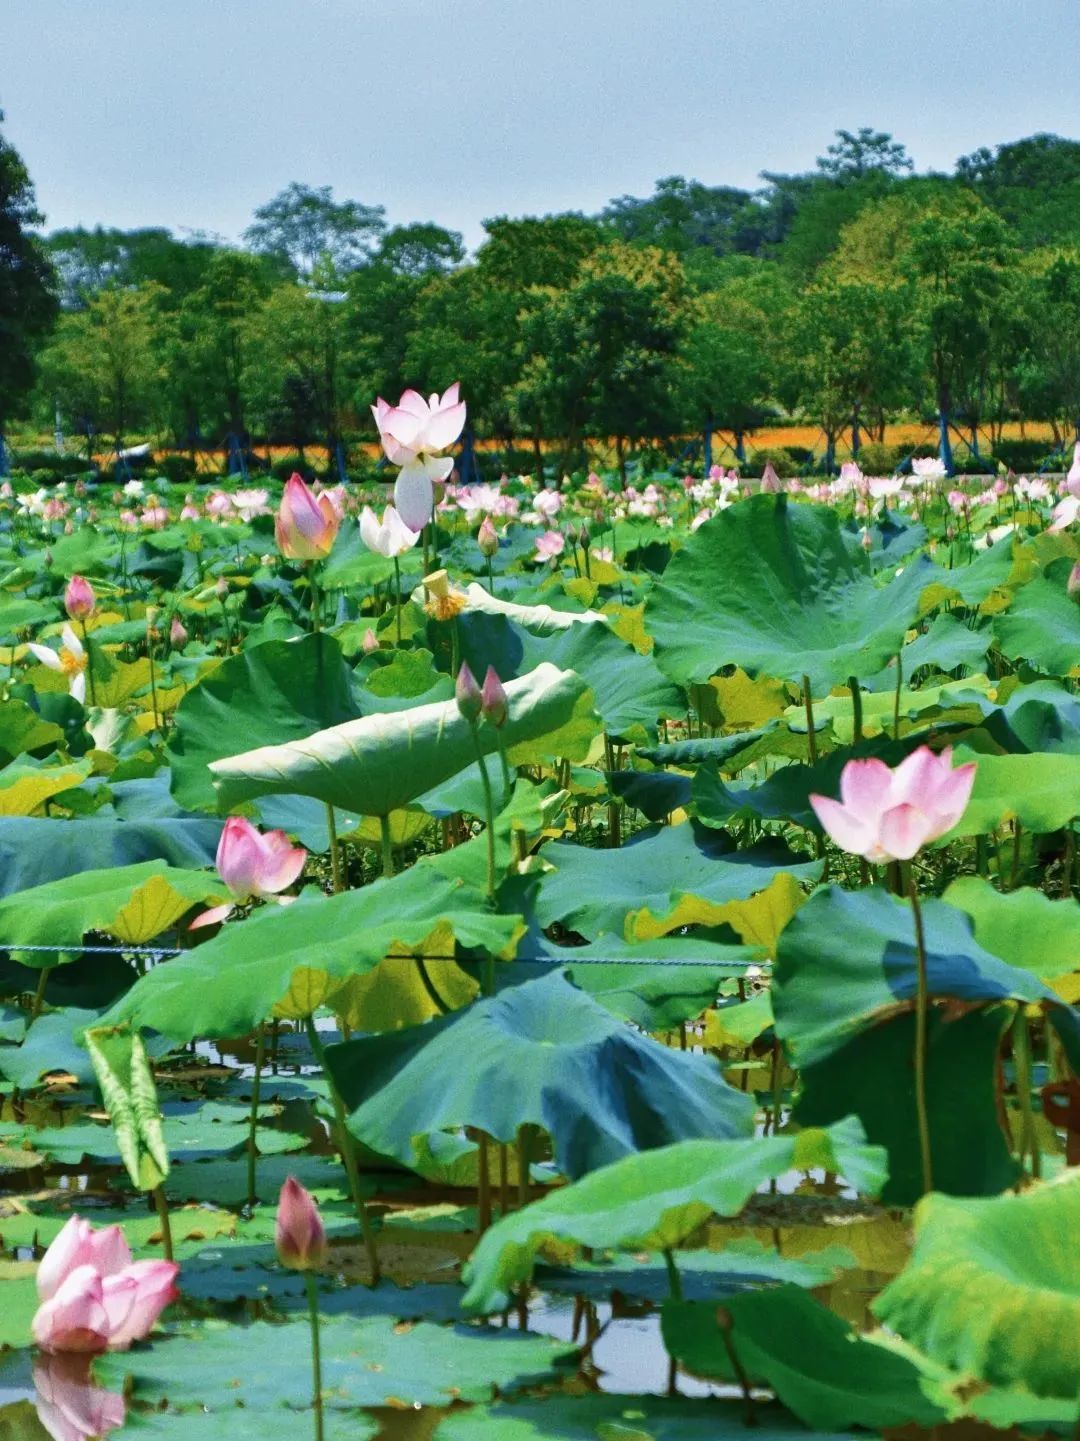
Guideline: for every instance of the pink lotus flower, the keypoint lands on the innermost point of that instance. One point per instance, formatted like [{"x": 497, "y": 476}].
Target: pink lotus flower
[
  {"x": 306, "y": 526},
  {"x": 69, "y": 1405},
  {"x": 252, "y": 865},
  {"x": 487, "y": 538},
  {"x": 414, "y": 433},
  {"x": 770, "y": 481},
  {"x": 467, "y": 693},
  {"x": 250, "y": 503},
  {"x": 493, "y": 699},
  {"x": 550, "y": 545},
  {"x": 299, "y": 1235},
  {"x": 155, "y": 517},
  {"x": 888, "y": 815},
  {"x": 218, "y": 503},
  {"x": 93, "y": 1296},
  {"x": 1072, "y": 480},
  {"x": 79, "y": 598},
  {"x": 925, "y": 468}
]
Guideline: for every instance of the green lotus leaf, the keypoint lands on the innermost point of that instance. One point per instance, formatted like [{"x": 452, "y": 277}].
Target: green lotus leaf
[
  {"x": 382, "y": 762},
  {"x": 278, "y": 691},
  {"x": 594, "y": 892},
  {"x": 948, "y": 644},
  {"x": 771, "y": 586},
  {"x": 1023, "y": 927},
  {"x": 227, "y": 985},
  {"x": 372, "y": 1362},
  {"x": 22, "y": 729},
  {"x": 1042, "y": 716},
  {"x": 824, "y": 993},
  {"x": 544, "y": 1054},
  {"x": 1041, "y": 791},
  {"x": 815, "y": 1362},
  {"x": 25, "y": 785},
  {"x": 1042, "y": 626},
  {"x": 542, "y": 619},
  {"x": 133, "y": 903},
  {"x": 656, "y": 1199},
  {"x": 608, "y": 1417},
  {"x": 993, "y": 1288}
]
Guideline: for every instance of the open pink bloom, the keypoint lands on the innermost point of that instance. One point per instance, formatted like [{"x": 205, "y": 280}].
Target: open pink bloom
[
  {"x": 550, "y": 545},
  {"x": 93, "y": 1296},
  {"x": 299, "y": 1236},
  {"x": 888, "y": 815},
  {"x": 414, "y": 433},
  {"x": 252, "y": 864},
  {"x": 69, "y": 1405},
  {"x": 306, "y": 525}
]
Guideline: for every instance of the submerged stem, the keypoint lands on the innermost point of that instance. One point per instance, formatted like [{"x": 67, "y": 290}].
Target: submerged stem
[
  {"x": 922, "y": 1006},
  {"x": 316, "y": 1352}
]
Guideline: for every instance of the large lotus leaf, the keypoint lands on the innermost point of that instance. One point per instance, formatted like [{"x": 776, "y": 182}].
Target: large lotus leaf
[
  {"x": 1023, "y": 927},
  {"x": 973, "y": 583},
  {"x": 1043, "y": 716},
  {"x": 542, "y": 619},
  {"x": 656, "y": 984},
  {"x": 847, "y": 960},
  {"x": 629, "y": 690},
  {"x": 892, "y": 536},
  {"x": 382, "y": 762},
  {"x": 956, "y": 703},
  {"x": 273, "y": 1423},
  {"x": 993, "y": 1288},
  {"x": 719, "y": 750},
  {"x": 656, "y": 1199},
  {"x": 35, "y": 850},
  {"x": 1042, "y": 626},
  {"x": 873, "y": 1076},
  {"x": 372, "y": 1362},
  {"x": 22, "y": 729},
  {"x": 595, "y": 892},
  {"x": 771, "y": 586},
  {"x": 227, "y": 985},
  {"x": 279, "y": 691},
  {"x": 742, "y": 1265},
  {"x": 542, "y": 1053},
  {"x": 946, "y": 645},
  {"x": 815, "y": 1362},
  {"x": 25, "y": 786},
  {"x": 1041, "y": 791},
  {"x": 607, "y": 1417},
  {"x": 132, "y": 903}
]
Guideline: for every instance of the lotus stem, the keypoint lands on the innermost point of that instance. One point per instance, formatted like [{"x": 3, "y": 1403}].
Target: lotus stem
[
  {"x": 90, "y": 665},
  {"x": 490, "y": 578},
  {"x": 335, "y": 849},
  {"x": 316, "y": 1352},
  {"x": 387, "y": 847},
  {"x": 163, "y": 1216},
  {"x": 856, "y": 708},
  {"x": 39, "y": 995},
  {"x": 808, "y": 702},
  {"x": 726, "y": 1324},
  {"x": 675, "y": 1290},
  {"x": 348, "y": 1153},
  {"x": 316, "y": 624},
  {"x": 489, "y": 808},
  {"x": 1029, "y": 1141},
  {"x": 483, "y": 1184},
  {"x": 256, "y": 1086},
  {"x": 922, "y": 1007},
  {"x": 507, "y": 779},
  {"x": 896, "y": 697},
  {"x": 397, "y": 597}
]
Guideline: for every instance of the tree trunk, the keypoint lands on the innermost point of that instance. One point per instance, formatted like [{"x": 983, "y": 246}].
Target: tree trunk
[
  {"x": 944, "y": 443},
  {"x": 740, "y": 446},
  {"x": 620, "y": 456},
  {"x": 538, "y": 459},
  {"x": 707, "y": 452}
]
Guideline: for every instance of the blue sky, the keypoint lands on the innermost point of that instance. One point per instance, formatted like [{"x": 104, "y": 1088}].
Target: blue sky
[{"x": 189, "y": 113}]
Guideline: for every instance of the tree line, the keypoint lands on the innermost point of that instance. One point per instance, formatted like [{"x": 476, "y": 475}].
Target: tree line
[{"x": 847, "y": 295}]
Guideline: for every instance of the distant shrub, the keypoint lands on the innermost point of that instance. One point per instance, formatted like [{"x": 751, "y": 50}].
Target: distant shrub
[
  {"x": 783, "y": 462},
  {"x": 58, "y": 467},
  {"x": 1024, "y": 456},
  {"x": 879, "y": 459},
  {"x": 982, "y": 464}
]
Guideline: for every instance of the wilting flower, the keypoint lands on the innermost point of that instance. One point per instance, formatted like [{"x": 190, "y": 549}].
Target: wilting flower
[
  {"x": 306, "y": 525},
  {"x": 252, "y": 865},
  {"x": 414, "y": 433},
  {"x": 392, "y": 538},
  {"x": 93, "y": 1296},
  {"x": 550, "y": 545},
  {"x": 888, "y": 815},
  {"x": 79, "y": 598},
  {"x": 299, "y": 1235},
  {"x": 70, "y": 661},
  {"x": 444, "y": 601},
  {"x": 69, "y": 1405}
]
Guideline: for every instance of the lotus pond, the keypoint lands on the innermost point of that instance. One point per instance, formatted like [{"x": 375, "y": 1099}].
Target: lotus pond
[{"x": 672, "y": 1030}]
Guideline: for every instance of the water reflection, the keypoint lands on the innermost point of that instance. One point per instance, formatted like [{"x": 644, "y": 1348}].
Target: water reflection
[{"x": 70, "y": 1406}]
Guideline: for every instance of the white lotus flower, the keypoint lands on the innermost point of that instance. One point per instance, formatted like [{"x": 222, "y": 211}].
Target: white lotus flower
[
  {"x": 70, "y": 661},
  {"x": 390, "y": 539}
]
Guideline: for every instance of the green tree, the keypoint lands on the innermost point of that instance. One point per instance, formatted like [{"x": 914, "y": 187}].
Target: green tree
[
  {"x": 87, "y": 261},
  {"x": 105, "y": 365},
  {"x": 1047, "y": 375},
  {"x": 27, "y": 303},
  {"x": 855, "y": 154},
  {"x": 682, "y": 215},
  {"x": 420, "y": 249},
  {"x": 304, "y": 225},
  {"x": 520, "y": 254}
]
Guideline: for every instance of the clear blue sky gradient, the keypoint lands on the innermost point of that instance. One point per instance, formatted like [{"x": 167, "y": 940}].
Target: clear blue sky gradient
[{"x": 189, "y": 113}]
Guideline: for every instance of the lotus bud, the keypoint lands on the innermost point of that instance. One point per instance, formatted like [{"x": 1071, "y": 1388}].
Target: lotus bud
[
  {"x": 47, "y": 560},
  {"x": 306, "y": 525},
  {"x": 221, "y": 588},
  {"x": 493, "y": 698},
  {"x": 178, "y": 636},
  {"x": 370, "y": 643},
  {"x": 79, "y": 598},
  {"x": 866, "y": 540},
  {"x": 80, "y": 488},
  {"x": 470, "y": 701},
  {"x": 487, "y": 538},
  {"x": 299, "y": 1235},
  {"x": 583, "y": 536},
  {"x": 1072, "y": 585}
]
